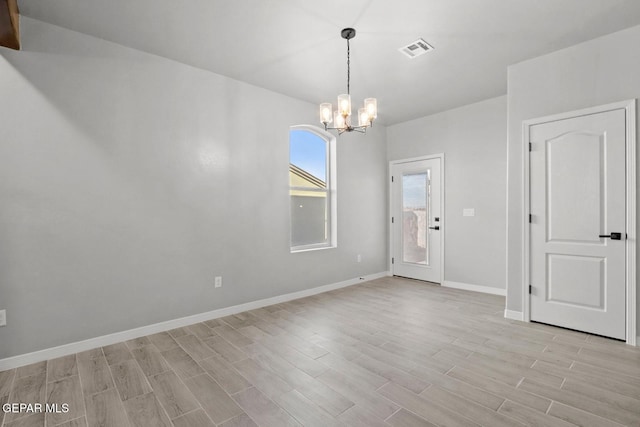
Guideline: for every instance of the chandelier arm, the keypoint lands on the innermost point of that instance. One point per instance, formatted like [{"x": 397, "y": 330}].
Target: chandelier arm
[{"x": 361, "y": 129}]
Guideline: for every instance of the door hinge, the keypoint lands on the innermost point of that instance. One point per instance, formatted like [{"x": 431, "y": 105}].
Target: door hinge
[
  {"x": 530, "y": 216},
  {"x": 530, "y": 147},
  {"x": 391, "y": 220},
  {"x": 392, "y": 260},
  {"x": 530, "y": 289},
  {"x": 391, "y": 178}
]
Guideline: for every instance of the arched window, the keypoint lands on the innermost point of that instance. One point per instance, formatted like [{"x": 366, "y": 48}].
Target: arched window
[{"x": 312, "y": 188}]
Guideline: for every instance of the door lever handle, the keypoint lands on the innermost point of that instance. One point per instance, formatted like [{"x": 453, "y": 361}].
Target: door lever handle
[
  {"x": 437, "y": 227},
  {"x": 612, "y": 236}
]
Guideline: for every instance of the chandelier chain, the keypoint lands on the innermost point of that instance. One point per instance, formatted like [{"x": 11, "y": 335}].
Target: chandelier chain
[{"x": 348, "y": 68}]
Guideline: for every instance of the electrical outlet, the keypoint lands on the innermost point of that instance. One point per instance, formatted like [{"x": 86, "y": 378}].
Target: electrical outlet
[
  {"x": 218, "y": 282},
  {"x": 3, "y": 317},
  {"x": 359, "y": 258}
]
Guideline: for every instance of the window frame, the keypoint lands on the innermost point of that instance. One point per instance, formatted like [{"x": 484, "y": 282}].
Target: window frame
[{"x": 330, "y": 190}]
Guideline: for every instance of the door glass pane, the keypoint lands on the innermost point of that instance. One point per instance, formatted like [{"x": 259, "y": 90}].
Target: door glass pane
[{"x": 415, "y": 213}]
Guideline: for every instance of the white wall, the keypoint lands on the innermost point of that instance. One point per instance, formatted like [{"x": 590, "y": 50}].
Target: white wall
[
  {"x": 594, "y": 73},
  {"x": 474, "y": 139},
  {"x": 128, "y": 181}
]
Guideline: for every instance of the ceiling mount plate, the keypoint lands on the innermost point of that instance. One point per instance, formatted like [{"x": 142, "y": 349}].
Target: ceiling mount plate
[{"x": 348, "y": 33}]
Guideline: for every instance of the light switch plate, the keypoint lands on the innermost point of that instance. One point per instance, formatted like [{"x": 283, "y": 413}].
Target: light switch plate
[{"x": 468, "y": 212}]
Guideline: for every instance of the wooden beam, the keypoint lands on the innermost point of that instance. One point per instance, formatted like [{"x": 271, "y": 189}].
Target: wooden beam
[{"x": 9, "y": 24}]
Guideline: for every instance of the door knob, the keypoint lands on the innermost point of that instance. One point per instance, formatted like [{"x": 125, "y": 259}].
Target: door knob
[
  {"x": 437, "y": 227},
  {"x": 612, "y": 236}
]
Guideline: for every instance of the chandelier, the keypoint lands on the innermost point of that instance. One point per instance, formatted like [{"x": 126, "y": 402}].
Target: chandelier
[{"x": 341, "y": 117}]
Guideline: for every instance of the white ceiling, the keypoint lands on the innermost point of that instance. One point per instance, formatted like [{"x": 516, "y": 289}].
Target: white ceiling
[{"x": 294, "y": 46}]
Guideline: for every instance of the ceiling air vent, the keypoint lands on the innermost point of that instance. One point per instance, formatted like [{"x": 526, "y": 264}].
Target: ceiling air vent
[{"x": 416, "y": 48}]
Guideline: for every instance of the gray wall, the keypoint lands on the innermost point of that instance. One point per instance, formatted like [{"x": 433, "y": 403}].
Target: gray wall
[
  {"x": 597, "y": 72},
  {"x": 474, "y": 139},
  {"x": 128, "y": 181}
]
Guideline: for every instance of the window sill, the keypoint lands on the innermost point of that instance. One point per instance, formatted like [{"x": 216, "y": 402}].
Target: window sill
[{"x": 318, "y": 248}]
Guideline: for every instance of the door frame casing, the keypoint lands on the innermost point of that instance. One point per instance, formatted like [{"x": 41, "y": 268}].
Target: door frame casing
[
  {"x": 629, "y": 106},
  {"x": 442, "y": 208}
]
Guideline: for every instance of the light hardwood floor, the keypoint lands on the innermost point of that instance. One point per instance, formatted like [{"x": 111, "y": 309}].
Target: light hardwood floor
[{"x": 390, "y": 352}]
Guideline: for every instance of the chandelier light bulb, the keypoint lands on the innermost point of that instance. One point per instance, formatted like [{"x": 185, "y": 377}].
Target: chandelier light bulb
[
  {"x": 339, "y": 120},
  {"x": 363, "y": 117},
  {"x": 344, "y": 104},
  {"x": 371, "y": 105},
  {"x": 326, "y": 113}
]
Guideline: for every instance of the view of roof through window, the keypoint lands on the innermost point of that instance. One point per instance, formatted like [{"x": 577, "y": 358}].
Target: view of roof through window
[{"x": 308, "y": 152}]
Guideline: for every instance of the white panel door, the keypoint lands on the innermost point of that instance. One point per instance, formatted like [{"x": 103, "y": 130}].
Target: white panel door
[
  {"x": 416, "y": 220},
  {"x": 577, "y": 178}
]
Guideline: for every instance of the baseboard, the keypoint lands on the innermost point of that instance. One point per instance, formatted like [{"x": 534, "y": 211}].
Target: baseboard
[
  {"x": 514, "y": 315},
  {"x": 474, "y": 288},
  {"x": 76, "y": 347}
]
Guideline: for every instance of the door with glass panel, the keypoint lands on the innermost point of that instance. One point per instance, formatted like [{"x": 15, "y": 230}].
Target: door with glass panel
[{"x": 416, "y": 220}]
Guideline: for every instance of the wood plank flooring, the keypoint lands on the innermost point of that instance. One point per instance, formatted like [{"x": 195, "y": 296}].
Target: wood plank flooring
[{"x": 391, "y": 352}]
